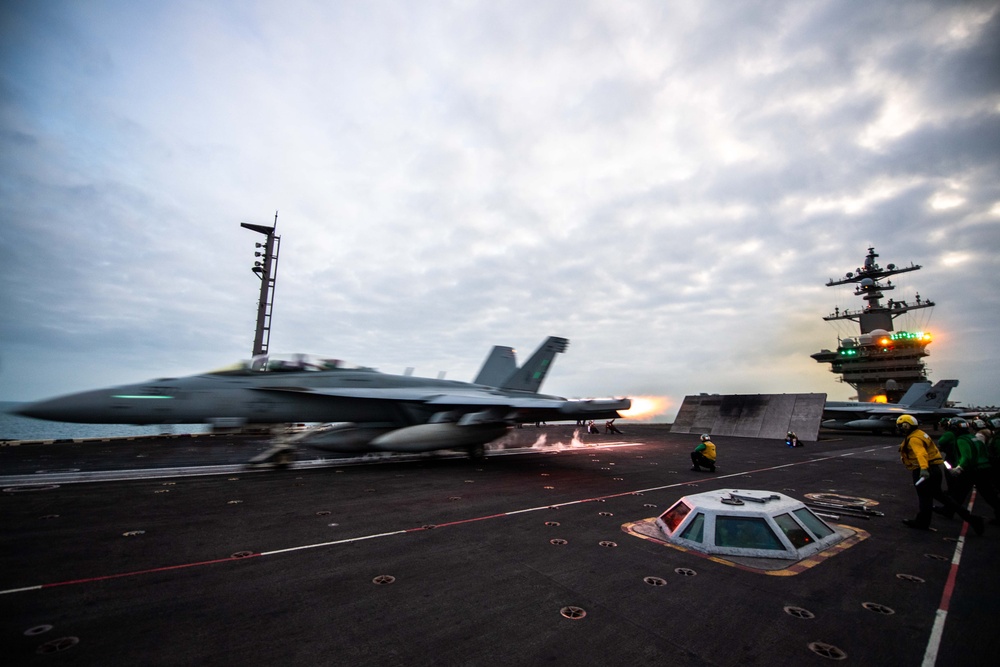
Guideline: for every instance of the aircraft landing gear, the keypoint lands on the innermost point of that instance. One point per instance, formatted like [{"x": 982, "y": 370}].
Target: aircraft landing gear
[
  {"x": 279, "y": 456},
  {"x": 477, "y": 452}
]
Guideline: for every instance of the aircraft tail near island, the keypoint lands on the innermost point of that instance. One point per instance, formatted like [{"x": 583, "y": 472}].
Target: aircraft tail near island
[{"x": 933, "y": 397}]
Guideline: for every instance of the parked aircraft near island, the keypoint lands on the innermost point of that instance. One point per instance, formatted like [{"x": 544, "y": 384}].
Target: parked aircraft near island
[
  {"x": 921, "y": 400},
  {"x": 362, "y": 410}
]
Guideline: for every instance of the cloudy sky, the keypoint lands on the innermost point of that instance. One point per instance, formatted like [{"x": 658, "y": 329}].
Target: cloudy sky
[{"x": 667, "y": 184}]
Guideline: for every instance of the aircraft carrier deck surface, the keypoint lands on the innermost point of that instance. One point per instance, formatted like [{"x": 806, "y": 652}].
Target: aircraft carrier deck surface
[{"x": 122, "y": 553}]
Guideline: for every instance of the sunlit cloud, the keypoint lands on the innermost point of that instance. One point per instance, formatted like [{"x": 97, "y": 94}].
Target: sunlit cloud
[
  {"x": 942, "y": 201},
  {"x": 963, "y": 27},
  {"x": 953, "y": 260},
  {"x": 853, "y": 204},
  {"x": 668, "y": 185},
  {"x": 898, "y": 117}
]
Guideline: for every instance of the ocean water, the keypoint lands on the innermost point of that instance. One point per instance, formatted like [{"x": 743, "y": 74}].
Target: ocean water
[{"x": 16, "y": 427}]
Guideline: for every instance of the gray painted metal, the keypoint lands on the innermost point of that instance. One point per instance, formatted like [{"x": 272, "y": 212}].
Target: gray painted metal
[
  {"x": 267, "y": 271},
  {"x": 752, "y": 415},
  {"x": 361, "y": 410}
]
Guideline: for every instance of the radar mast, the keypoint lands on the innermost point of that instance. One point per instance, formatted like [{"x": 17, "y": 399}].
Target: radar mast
[{"x": 880, "y": 363}]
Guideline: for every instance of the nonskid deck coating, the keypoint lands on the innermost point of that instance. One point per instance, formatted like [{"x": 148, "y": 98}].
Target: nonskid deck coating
[{"x": 476, "y": 576}]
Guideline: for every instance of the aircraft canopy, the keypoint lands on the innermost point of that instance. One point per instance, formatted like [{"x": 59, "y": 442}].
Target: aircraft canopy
[{"x": 289, "y": 363}]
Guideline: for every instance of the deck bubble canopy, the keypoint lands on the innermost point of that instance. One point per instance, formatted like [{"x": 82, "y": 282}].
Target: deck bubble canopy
[{"x": 754, "y": 523}]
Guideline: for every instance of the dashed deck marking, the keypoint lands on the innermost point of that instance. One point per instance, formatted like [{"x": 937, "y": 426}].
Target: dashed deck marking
[
  {"x": 941, "y": 615},
  {"x": 404, "y": 531}
]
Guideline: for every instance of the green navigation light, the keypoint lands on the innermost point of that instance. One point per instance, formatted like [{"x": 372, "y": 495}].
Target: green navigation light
[
  {"x": 127, "y": 396},
  {"x": 907, "y": 335}
]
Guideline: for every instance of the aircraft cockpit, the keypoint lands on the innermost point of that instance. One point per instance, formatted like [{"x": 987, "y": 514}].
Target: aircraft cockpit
[{"x": 293, "y": 363}]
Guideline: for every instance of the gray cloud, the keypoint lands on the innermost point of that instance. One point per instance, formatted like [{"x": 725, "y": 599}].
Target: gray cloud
[{"x": 668, "y": 185}]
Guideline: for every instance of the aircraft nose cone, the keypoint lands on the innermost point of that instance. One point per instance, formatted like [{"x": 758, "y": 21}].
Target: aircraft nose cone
[
  {"x": 81, "y": 408},
  {"x": 22, "y": 410},
  {"x": 49, "y": 409}
]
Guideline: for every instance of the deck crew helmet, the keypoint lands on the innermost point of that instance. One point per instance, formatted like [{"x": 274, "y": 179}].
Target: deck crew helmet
[
  {"x": 959, "y": 425},
  {"x": 906, "y": 422},
  {"x": 705, "y": 437}
]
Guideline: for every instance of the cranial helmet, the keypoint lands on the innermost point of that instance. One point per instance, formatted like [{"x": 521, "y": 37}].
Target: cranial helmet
[
  {"x": 705, "y": 437},
  {"x": 995, "y": 422},
  {"x": 909, "y": 420},
  {"x": 959, "y": 424},
  {"x": 979, "y": 424}
]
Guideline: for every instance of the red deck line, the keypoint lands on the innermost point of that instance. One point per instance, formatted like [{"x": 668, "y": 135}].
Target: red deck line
[
  {"x": 166, "y": 568},
  {"x": 409, "y": 530},
  {"x": 937, "y": 631}
]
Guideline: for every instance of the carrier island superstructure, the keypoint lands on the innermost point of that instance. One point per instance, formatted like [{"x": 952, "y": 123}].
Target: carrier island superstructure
[{"x": 880, "y": 363}]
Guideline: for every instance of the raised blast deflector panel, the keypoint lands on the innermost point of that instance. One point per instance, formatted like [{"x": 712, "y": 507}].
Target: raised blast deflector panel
[{"x": 752, "y": 415}]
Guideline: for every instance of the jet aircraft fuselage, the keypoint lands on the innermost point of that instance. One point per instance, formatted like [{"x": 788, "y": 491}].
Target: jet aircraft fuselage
[
  {"x": 922, "y": 401},
  {"x": 241, "y": 397},
  {"x": 373, "y": 411}
]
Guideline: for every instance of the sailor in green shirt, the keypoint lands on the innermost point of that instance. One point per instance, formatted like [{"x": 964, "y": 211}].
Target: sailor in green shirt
[
  {"x": 972, "y": 469},
  {"x": 703, "y": 455},
  {"x": 921, "y": 457},
  {"x": 946, "y": 443},
  {"x": 983, "y": 476},
  {"x": 993, "y": 451},
  {"x": 963, "y": 462}
]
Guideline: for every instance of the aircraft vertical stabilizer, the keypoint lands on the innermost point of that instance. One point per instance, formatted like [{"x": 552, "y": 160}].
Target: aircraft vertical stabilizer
[
  {"x": 935, "y": 397},
  {"x": 499, "y": 365},
  {"x": 914, "y": 393},
  {"x": 530, "y": 376}
]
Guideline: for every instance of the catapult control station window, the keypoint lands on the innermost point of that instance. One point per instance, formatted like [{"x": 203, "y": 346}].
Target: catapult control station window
[
  {"x": 695, "y": 530},
  {"x": 675, "y": 515},
  {"x": 745, "y": 532}
]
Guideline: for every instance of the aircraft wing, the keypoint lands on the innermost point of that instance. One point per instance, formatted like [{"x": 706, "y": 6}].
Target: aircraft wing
[
  {"x": 544, "y": 407},
  {"x": 900, "y": 411},
  {"x": 407, "y": 394},
  {"x": 875, "y": 410}
]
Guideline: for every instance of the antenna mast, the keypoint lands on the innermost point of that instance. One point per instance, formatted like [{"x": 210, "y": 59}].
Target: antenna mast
[
  {"x": 265, "y": 266},
  {"x": 881, "y": 363}
]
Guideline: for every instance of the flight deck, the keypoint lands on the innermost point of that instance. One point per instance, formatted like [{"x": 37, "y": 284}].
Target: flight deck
[{"x": 167, "y": 551}]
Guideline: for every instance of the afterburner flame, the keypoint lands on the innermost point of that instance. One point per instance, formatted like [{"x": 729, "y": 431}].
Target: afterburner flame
[{"x": 646, "y": 407}]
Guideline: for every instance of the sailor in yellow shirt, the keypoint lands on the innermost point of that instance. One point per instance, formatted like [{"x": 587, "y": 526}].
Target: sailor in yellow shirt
[
  {"x": 921, "y": 456},
  {"x": 704, "y": 454}
]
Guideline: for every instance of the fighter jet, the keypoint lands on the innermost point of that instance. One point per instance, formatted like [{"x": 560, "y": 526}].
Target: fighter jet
[
  {"x": 361, "y": 409},
  {"x": 921, "y": 400}
]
